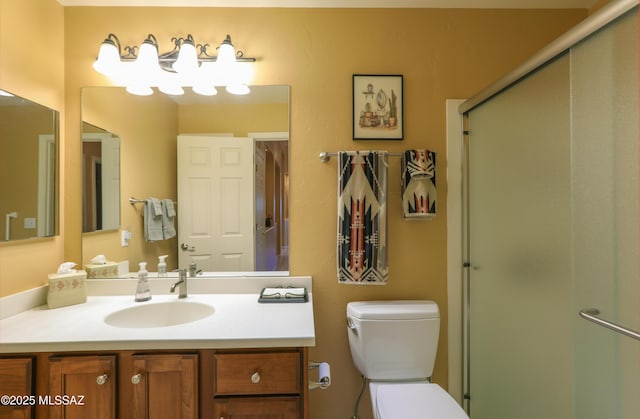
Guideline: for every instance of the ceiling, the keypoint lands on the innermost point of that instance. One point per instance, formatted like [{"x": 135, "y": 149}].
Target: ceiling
[{"x": 479, "y": 4}]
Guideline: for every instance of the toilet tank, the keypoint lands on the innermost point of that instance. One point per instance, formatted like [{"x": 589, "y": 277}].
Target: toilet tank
[{"x": 393, "y": 340}]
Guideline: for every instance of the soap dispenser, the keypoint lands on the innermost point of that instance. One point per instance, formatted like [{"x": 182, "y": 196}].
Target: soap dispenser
[
  {"x": 162, "y": 266},
  {"x": 143, "y": 293}
]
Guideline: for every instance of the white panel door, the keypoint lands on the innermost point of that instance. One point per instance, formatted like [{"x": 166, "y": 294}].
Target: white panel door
[
  {"x": 110, "y": 152},
  {"x": 216, "y": 204}
]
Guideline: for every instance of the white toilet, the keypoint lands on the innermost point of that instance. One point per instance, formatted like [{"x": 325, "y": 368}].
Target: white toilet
[{"x": 393, "y": 344}]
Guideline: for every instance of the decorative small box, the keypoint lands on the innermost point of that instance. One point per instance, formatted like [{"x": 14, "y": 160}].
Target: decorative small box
[
  {"x": 106, "y": 270},
  {"x": 66, "y": 289}
]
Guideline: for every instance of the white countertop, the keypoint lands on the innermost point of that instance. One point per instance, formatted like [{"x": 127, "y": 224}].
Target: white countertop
[{"x": 239, "y": 321}]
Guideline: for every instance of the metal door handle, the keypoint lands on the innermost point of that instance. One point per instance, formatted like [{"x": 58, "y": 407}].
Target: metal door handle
[
  {"x": 187, "y": 248},
  {"x": 591, "y": 314}
]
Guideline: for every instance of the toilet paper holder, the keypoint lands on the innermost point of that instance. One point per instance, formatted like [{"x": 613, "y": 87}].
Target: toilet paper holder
[{"x": 324, "y": 375}]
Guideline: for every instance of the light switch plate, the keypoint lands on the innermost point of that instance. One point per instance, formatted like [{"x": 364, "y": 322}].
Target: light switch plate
[{"x": 124, "y": 238}]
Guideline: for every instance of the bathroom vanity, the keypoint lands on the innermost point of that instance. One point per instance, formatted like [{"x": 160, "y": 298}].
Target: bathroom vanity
[{"x": 245, "y": 359}]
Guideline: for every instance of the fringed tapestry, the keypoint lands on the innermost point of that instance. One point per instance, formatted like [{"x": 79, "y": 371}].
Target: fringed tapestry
[
  {"x": 418, "y": 184},
  {"x": 362, "y": 217}
]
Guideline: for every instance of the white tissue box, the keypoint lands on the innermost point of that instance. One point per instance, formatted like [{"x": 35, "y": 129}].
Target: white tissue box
[
  {"x": 66, "y": 289},
  {"x": 105, "y": 270}
]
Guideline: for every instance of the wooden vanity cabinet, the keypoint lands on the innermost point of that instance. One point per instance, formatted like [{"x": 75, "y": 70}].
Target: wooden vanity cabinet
[
  {"x": 268, "y": 384},
  {"x": 16, "y": 379},
  {"x": 160, "y": 384}
]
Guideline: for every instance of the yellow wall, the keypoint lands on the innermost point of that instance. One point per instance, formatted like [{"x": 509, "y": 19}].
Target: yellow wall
[
  {"x": 441, "y": 53},
  {"x": 236, "y": 119},
  {"x": 32, "y": 66}
]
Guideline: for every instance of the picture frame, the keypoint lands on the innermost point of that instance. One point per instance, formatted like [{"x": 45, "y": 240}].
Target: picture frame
[{"x": 378, "y": 107}]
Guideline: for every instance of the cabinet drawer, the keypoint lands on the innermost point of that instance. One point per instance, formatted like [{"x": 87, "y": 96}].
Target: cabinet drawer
[
  {"x": 287, "y": 407},
  {"x": 257, "y": 373}
]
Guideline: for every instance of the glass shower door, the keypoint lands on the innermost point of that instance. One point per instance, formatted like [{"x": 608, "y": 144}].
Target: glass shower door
[
  {"x": 521, "y": 305},
  {"x": 605, "y": 220},
  {"x": 553, "y": 228}
]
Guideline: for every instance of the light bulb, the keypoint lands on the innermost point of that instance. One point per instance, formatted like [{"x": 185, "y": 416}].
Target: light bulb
[
  {"x": 139, "y": 90},
  {"x": 205, "y": 89},
  {"x": 226, "y": 53},
  {"x": 146, "y": 70},
  {"x": 171, "y": 89},
  {"x": 238, "y": 89},
  {"x": 187, "y": 61},
  {"x": 170, "y": 83},
  {"x": 147, "y": 61},
  {"x": 108, "y": 58}
]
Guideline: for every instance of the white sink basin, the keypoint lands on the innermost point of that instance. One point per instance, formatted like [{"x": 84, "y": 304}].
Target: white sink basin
[{"x": 167, "y": 313}]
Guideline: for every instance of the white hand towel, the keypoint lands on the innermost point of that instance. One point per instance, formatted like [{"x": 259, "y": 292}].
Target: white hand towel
[
  {"x": 152, "y": 220},
  {"x": 168, "y": 216}
]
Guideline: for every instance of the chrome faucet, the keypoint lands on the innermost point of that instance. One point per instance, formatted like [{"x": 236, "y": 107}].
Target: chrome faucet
[
  {"x": 181, "y": 284},
  {"x": 193, "y": 270}
]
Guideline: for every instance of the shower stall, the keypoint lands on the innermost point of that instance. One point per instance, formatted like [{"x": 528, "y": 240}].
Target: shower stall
[{"x": 552, "y": 230}]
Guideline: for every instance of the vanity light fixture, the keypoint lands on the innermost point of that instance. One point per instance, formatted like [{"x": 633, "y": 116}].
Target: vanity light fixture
[{"x": 187, "y": 64}]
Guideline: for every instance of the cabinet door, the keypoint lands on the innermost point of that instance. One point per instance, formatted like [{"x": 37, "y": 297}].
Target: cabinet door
[
  {"x": 165, "y": 386},
  {"x": 82, "y": 387},
  {"x": 257, "y": 408},
  {"x": 16, "y": 380}
]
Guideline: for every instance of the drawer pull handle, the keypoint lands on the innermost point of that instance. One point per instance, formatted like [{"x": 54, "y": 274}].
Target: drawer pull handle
[
  {"x": 255, "y": 378},
  {"x": 136, "y": 378},
  {"x": 101, "y": 379}
]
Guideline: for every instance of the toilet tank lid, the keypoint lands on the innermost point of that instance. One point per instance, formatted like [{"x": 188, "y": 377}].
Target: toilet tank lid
[{"x": 393, "y": 310}]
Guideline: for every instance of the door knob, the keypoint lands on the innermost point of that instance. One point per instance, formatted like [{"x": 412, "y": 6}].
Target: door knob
[
  {"x": 187, "y": 248},
  {"x": 101, "y": 379},
  {"x": 136, "y": 378}
]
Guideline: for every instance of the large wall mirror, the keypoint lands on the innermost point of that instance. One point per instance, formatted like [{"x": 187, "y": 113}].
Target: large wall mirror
[
  {"x": 148, "y": 131},
  {"x": 28, "y": 168}
]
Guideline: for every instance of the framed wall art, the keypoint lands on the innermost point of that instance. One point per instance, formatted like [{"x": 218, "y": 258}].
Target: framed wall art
[{"x": 378, "y": 107}]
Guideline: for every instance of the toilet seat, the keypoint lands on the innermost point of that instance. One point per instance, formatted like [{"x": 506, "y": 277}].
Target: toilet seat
[{"x": 415, "y": 401}]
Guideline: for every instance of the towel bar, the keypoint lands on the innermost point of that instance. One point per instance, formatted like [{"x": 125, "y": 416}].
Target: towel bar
[
  {"x": 134, "y": 201},
  {"x": 591, "y": 314},
  {"x": 325, "y": 156}
]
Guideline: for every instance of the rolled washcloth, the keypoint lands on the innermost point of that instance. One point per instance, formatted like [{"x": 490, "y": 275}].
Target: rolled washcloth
[
  {"x": 152, "y": 220},
  {"x": 168, "y": 216}
]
